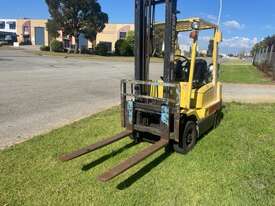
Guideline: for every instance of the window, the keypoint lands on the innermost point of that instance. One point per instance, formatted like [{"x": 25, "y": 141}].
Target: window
[
  {"x": 122, "y": 35},
  {"x": 12, "y": 25},
  {"x": 2, "y": 25},
  {"x": 8, "y": 37},
  {"x": 25, "y": 28}
]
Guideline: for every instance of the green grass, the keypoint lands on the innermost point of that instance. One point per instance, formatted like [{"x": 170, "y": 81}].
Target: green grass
[
  {"x": 232, "y": 165},
  {"x": 242, "y": 73},
  {"x": 232, "y": 71}
]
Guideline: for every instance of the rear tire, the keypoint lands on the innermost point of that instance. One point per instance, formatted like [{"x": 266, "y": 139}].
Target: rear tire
[
  {"x": 188, "y": 138},
  {"x": 218, "y": 118}
]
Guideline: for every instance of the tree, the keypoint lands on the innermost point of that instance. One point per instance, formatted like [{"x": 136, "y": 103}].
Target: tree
[
  {"x": 267, "y": 42},
  {"x": 130, "y": 38},
  {"x": 52, "y": 28},
  {"x": 158, "y": 40},
  {"x": 125, "y": 47},
  {"x": 74, "y": 17},
  {"x": 118, "y": 45}
]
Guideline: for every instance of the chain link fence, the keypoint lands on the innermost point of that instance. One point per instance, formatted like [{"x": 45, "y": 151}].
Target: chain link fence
[{"x": 265, "y": 60}]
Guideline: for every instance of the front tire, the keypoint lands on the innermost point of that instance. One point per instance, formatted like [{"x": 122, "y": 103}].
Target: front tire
[
  {"x": 188, "y": 138},
  {"x": 136, "y": 137}
]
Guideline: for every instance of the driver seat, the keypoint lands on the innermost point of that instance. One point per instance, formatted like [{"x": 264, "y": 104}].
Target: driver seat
[{"x": 200, "y": 73}]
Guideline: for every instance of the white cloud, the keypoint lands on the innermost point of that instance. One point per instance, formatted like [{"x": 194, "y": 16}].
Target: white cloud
[
  {"x": 184, "y": 47},
  {"x": 239, "y": 42},
  {"x": 205, "y": 38},
  {"x": 211, "y": 17},
  {"x": 233, "y": 24}
]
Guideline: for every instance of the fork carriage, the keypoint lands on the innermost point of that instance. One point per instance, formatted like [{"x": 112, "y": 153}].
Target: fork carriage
[{"x": 147, "y": 112}]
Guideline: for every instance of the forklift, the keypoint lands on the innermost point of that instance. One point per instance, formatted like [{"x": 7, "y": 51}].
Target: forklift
[{"x": 172, "y": 112}]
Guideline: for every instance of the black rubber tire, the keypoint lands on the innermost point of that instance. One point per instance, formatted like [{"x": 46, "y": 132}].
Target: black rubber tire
[
  {"x": 136, "y": 137},
  {"x": 188, "y": 138},
  {"x": 169, "y": 147},
  {"x": 218, "y": 119}
]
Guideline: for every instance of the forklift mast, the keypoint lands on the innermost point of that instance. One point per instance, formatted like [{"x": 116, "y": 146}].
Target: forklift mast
[{"x": 144, "y": 30}]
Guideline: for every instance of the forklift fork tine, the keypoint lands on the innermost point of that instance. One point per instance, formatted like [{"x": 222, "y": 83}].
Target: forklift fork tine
[
  {"x": 95, "y": 146},
  {"x": 117, "y": 170}
]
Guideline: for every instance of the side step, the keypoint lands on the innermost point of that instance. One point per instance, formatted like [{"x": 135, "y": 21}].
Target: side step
[
  {"x": 95, "y": 146},
  {"x": 117, "y": 170}
]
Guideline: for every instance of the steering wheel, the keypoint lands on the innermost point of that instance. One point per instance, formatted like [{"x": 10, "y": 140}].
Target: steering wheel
[
  {"x": 185, "y": 59},
  {"x": 182, "y": 67}
]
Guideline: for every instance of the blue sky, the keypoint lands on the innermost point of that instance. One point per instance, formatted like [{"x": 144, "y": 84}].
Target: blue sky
[{"x": 243, "y": 22}]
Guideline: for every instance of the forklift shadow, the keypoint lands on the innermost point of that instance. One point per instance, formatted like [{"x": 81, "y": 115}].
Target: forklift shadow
[
  {"x": 143, "y": 171},
  {"x": 106, "y": 157}
]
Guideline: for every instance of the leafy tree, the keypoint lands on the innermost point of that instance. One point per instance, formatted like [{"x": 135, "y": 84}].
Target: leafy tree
[
  {"x": 52, "y": 28},
  {"x": 118, "y": 46},
  {"x": 130, "y": 38},
  {"x": 125, "y": 47},
  {"x": 78, "y": 16},
  {"x": 158, "y": 40},
  {"x": 267, "y": 42}
]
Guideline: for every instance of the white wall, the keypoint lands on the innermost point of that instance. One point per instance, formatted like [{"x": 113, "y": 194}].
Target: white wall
[{"x": 7, "y": 29}]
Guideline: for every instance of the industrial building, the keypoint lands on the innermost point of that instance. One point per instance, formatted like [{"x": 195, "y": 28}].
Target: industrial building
[
  {"x": 34, "y": 32},
  {"x": 8, "y": 30},
  {"x": 109, "y": 36},
  {"x": 24, "y": 31},
  {"x": 112, "y": 33}
]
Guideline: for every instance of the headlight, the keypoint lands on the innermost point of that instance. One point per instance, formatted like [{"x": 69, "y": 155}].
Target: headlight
[{"x": 195, "y": 25}]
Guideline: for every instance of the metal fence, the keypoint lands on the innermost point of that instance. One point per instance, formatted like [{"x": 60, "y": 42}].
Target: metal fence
[{"x": 265, "y": 60}]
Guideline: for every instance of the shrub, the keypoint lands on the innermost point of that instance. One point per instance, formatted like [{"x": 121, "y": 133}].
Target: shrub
[
  {"x": 26, "y": 42},
  {"x": 57, "y": 46},
  {"x": 85, "y": 50},
  {"x": 44, "y": 48},
  {"x": 118, "y": 46},
  {"x": 3, "y": 43},
  {"x": 130, "y": 38},
  {"x": 102, "y": 49},
  {"x": 124, "y": 48}
]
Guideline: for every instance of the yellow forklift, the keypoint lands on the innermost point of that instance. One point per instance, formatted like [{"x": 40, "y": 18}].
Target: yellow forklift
[{"x": 172, "y": 112}]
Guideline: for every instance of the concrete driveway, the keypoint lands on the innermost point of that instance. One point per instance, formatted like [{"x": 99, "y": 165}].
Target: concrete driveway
[{"x": 39, "y": 93}]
